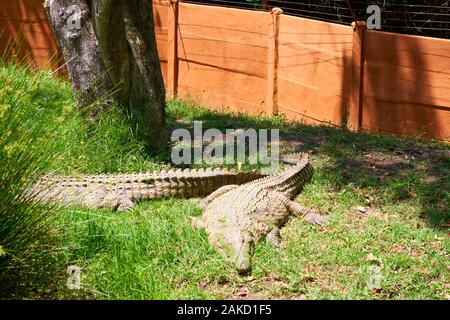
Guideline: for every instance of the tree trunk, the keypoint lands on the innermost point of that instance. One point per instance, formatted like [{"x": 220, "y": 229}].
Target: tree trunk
[{"x": 113, "y": 59}]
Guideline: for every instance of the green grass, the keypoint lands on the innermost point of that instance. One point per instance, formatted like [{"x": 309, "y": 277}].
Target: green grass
[
  {"x": 27, "y": 230},
  {"x": 154, "y": 253}
]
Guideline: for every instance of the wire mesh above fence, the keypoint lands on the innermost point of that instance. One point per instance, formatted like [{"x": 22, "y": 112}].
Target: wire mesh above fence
[{"x": 419, "y": 17}]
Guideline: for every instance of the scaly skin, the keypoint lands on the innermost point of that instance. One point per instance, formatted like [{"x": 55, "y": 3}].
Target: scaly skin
[
  {"x": 121, "y": 192},
  {"x": 237, "y": 218},
  {"x": 241, "y": 209}
]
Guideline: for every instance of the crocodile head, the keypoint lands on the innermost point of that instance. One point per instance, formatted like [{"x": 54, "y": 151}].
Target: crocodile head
[{"x": 238, "y": 248}]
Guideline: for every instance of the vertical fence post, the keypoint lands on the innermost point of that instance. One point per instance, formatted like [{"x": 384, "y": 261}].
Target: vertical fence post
[
  {"x": 172, "y": 49},
  {"x": 357, "y": 85},
  {"x": 272, "y": 60}
]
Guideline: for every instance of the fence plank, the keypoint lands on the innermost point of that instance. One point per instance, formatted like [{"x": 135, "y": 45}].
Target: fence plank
[
  {"x": 314, "y": 74},
  {"x": 272, "y": 62},
  {"x": 222, "y": 56},
  {"x": 357, "y": 85},
  {"x": 407, "y": 85},
  {"x": 311, "y": 71},
  {"x": 172, "y": 49}
]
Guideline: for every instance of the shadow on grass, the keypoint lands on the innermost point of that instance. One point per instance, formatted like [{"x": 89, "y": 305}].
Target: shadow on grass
[{"x": 395, "y": 169}]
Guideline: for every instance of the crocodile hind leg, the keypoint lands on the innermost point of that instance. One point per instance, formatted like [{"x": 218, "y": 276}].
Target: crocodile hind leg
[
  {"x": 204, "y": 203},
  {"x": 117, "y": 202},
  {"x": 124, "y": 204},
  {"x": 308, "y": 214}
]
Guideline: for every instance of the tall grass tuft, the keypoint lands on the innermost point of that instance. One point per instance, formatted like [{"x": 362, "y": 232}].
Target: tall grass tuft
[
  {"x": 42, "y": 131},
  {"x": 26, "y": 228}
]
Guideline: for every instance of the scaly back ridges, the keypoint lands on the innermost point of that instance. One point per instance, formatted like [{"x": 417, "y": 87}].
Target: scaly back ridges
[
  {"x": 193, "y": 175},
  {"x": 299, "y": 163}
]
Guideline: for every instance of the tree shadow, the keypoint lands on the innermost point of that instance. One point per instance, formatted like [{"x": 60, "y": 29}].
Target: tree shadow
[
  {"x": 394, "y": 169},
  {"x": 399, "y": 98},
  {"x": 404, "y": 90}
]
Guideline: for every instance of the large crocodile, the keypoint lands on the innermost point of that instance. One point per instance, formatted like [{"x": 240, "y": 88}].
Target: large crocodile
[
  {"x": 241, "y": 208},
  {"x": 236, "y": 218},
  {"x": 121, "y": 192}
]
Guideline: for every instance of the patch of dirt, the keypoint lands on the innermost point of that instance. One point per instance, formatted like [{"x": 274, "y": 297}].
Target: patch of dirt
[
  {"x": 397, "y": 248},
  {"x": 380, "y": 161},
  {"x": 376, "y": 213},
  {"x": 297, "y": 143},
  {"x": 376, "y": 164},
  {"x": 244, "y": 293}
]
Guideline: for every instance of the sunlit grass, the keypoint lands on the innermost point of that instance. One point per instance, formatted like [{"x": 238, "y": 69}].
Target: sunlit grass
[{"x": 154, "y": 253}]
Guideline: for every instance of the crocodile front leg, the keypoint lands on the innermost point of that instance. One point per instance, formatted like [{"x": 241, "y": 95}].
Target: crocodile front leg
[{"x": 274, "y": 237}]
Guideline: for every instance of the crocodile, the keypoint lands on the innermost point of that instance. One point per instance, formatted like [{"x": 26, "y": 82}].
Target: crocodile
[
  {"x": 236, "y": 218},
  {"x": 239, "y": 210},
  {"x": 122, "y": 191}
]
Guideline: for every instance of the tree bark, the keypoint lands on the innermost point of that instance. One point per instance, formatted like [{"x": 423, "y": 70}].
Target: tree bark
[
  {"x": 83, "y": 60},
  {"x": 147, "y": 86},
  {"x": 113, "y": 59},
  {"x": 110, "y": 30}
]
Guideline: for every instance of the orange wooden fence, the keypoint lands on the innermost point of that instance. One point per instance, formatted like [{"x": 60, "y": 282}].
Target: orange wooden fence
[
  {"x": 314, "y": 78},
  {"x": 26, "y": 33},
  {"x": 269, "y": 63},
  {"x": 407, "y": 85}
]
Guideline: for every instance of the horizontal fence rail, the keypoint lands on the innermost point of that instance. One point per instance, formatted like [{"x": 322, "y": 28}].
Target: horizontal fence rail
[
  {"x": 416, "y": 17},
  {"x": 269, "y": 62}
]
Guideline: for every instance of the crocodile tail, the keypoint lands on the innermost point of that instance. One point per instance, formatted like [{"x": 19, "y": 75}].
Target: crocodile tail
[
  {"x": 187, "y": 183},
  {"x": 192, "y": 183}
]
